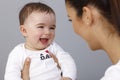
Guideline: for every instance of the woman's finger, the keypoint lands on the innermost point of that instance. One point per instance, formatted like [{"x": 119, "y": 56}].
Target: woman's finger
[
  {"x": 55, "y": 59},
  {"x": 25, "y": 71},
  {"x": 65, "y": 78}
]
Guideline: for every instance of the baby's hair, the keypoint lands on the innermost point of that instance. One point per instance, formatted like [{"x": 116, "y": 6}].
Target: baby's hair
[{"x": 31, "y": 7}]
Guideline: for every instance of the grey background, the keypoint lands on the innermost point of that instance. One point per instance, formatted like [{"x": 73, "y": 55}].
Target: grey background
[{"x": 91, "y": 65}]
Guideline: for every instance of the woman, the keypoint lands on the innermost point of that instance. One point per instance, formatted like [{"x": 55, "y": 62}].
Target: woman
[{"x": 98, "y": 22}]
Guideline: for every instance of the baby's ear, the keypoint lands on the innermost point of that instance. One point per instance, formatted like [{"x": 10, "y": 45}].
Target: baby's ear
[{"x": 23, "y": 30}]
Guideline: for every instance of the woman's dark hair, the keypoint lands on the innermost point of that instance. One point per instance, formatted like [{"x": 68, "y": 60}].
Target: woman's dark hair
[{"x": 110, "y": 9}]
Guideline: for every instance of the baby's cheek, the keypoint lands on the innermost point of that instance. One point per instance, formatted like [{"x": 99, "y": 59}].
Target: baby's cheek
[{"x": 37, "y": 36}]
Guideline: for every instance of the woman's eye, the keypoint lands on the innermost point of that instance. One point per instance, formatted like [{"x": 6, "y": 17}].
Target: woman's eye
[{"x": 69, "y": 20}]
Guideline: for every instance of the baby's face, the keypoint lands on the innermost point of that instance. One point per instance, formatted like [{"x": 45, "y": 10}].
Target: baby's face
[{"x": 40, "y": 30}]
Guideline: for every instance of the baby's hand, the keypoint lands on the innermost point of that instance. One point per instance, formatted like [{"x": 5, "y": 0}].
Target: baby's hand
[{"x": 66, "y": 78}]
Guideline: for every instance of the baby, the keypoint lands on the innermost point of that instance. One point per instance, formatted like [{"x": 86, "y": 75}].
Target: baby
[{"x": 37, "y": 25}]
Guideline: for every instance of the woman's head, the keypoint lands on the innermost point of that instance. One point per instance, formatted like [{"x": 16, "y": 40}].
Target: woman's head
[
  {"x": 97, "y": 13},
  {"x": 110, "y": 9}
]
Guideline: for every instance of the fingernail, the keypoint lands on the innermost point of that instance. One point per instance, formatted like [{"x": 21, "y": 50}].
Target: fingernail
[{"x": 28, "y": 59}]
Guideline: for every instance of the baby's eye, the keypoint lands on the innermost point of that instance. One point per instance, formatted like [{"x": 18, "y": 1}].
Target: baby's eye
[
  {"x": 40, "y": 27},
  {"x": 52, "y": 28}
]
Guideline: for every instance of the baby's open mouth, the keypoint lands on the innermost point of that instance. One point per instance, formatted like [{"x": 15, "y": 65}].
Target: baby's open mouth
[{"x": 44, "y": 40}]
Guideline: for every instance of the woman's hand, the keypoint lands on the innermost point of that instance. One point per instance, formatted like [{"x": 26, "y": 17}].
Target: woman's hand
[
  {"x": 66, "y": 78},
  {"x": 25, "y": 71},
  {"x": 55, "y": 59}
]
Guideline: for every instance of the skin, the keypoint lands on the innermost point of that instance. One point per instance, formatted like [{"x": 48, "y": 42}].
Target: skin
[
  {"x": 38, "y": 30},
  {"x": 96, "y": 30},
  {"x": 25, "y": 71}
]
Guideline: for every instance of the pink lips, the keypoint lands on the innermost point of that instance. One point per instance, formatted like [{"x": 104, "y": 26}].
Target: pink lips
[{"x": 44, "y": 40}]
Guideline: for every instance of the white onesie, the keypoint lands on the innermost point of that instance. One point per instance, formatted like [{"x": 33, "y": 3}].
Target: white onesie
[{"x": 42, "y": 66}]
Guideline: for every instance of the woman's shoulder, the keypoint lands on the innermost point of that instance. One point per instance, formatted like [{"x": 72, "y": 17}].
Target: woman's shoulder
[{"x": 113, "y": 72}]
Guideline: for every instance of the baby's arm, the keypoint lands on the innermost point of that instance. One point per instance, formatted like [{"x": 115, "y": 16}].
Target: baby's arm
[
  {"x": 13, "y": 71},
  {"x": 56, "y": 60},
  {"x": 68, "y": 67},
  {"x": 66, "y": 62}
]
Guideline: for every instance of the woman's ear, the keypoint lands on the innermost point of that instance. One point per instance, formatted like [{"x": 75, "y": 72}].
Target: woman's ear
[
  {"x": 87, "y": 15},
  {"x": 23, "y": 30}
]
